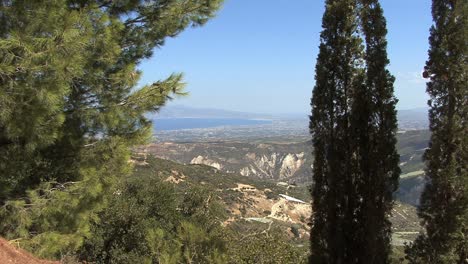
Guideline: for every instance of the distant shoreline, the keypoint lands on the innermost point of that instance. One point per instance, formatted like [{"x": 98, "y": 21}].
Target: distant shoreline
[{"x": 167, "y": 124}]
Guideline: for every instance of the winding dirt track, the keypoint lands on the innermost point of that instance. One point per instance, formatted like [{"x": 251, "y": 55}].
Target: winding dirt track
[{"x": 9, "y": 254}]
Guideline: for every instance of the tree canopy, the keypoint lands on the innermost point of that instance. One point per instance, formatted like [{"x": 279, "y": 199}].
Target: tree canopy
[{"x": 353, "y": 127}]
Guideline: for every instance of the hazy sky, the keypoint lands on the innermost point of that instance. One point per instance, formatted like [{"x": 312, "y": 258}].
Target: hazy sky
[{"x": 259, "y": 55}]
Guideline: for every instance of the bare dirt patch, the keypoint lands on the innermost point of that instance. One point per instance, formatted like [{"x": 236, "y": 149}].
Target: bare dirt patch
[{"x": 9, "y": 254}]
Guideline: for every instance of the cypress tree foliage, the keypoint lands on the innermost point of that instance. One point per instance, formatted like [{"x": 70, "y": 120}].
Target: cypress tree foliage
[
  {"x": 353, "y": 125},
  {"x": 374, "y": 125},
  {"x": 444, "y": 202},
  {"x": 337, "y": 69},
  {"x": 69, "y": 110}
]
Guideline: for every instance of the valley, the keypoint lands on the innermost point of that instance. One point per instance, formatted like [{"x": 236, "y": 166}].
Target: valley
[{"x": 289, "y": 162}]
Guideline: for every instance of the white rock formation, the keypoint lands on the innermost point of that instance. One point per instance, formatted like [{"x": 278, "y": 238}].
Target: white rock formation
[{"x": 206, "y": 161}]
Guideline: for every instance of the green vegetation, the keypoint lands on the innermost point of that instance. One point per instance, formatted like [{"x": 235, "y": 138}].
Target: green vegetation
[
  {"x": 444, "y": 202},
  {"x": 271, "y": 248},
  {"x": 67, "y": 125},
  {"x": 152, "y": 220},
  {"x": 353, "y": 126}
]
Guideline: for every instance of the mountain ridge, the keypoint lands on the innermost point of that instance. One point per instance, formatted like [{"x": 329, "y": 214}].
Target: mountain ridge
[{"x": 183, "y": 111}]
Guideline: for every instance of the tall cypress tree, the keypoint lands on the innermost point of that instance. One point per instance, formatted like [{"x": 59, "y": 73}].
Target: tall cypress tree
[
  {"x": 374, "y": 127},
  {"x": 444, "y": 201},
  {"x": 353, "y": 125},
  {"x": 336, "y": 71}
]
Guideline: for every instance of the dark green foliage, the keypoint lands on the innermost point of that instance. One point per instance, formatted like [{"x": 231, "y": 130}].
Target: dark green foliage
[
  {"x": 51, "y": 107},
  {"x": 54, "y": 218},
  {"x": 34, "y": 79},
  {"x": 374, "y": 127},
  {"x": 353, "y": 125},
  {"x": 264, "y": 247},
  {"x": 444, "y": 202},
  {"x": 336, "y": 66},
  {"x": 150, "y": 221}
]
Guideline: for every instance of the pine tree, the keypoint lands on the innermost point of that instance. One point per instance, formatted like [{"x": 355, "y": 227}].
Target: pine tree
[
  {"x": 69, "y": 110},
  {"x": 444, "y": 202},
  {"x": 353, "y": 125},
  {"x": 34, "y": 79}
]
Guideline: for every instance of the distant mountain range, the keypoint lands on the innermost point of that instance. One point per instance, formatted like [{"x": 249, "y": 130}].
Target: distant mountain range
[
  {"x": 408, "y": 119},
  {"x": 180, "y": 111},
  {"x": 419, "y": 114}
]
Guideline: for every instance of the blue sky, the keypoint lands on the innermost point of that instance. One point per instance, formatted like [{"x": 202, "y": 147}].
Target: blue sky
[{"x": 259, "y": 55}]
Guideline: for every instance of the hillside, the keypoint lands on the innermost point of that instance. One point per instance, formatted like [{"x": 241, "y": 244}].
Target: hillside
[
  {"x": 288, "y": 162},
  {"x": 249, "y": 203},
  {"x": 253, "y": 204},
  {"x": 280, "y": 162}
]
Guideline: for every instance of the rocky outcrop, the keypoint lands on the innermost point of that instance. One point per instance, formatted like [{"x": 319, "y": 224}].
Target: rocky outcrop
[
  {"x": 276, "y": 165},
  {"x": 291, "y": 164},
  {"x": 206, "y": 161},
  {"x": 286, "y": 162},
  {"x": 282, "y": 162}
]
